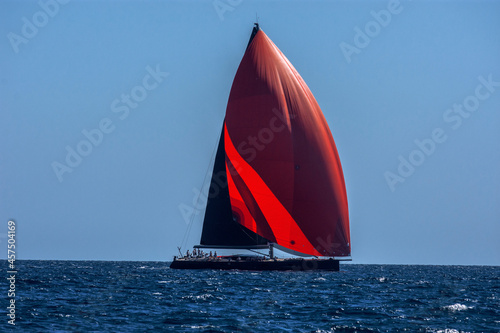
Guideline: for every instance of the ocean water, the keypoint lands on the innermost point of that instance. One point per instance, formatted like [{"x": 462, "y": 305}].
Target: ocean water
[{"x": 148, "y": 296}]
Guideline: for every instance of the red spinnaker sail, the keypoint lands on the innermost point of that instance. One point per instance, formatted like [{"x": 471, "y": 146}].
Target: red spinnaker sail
[{"x": 284, "y": 174}]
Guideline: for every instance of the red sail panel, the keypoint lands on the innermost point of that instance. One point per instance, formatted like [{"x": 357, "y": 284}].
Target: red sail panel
[
  {"x": 244, "y": 207},
  {"x": 282, "y": 224},
  {"x": 240, "y": 211},
  {"x": 282, "y": 151}
]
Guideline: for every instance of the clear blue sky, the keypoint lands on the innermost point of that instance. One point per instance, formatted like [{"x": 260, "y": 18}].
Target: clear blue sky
[{"x": 395, "y": 82}]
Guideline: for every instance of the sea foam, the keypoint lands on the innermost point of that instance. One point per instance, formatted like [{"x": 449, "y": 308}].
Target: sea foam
[{"x": 456, "y": 307}]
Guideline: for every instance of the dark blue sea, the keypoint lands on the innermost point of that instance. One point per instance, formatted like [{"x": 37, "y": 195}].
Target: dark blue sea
[{"x": 58, "y": 296}]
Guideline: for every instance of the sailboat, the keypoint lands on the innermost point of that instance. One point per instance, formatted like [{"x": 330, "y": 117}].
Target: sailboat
[{"x": 277, "y": 181}]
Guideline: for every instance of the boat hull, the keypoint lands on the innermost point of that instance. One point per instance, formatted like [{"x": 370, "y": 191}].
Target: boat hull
[{"x": 258, "y": 265}]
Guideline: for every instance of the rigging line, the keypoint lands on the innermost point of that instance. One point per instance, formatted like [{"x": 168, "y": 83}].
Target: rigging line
[
  {"x": 265, "y": 255},
  {"x": 256, "y": 239},
  {"x": 194, "y": 213},
  {"x": 246, "y": 233}
]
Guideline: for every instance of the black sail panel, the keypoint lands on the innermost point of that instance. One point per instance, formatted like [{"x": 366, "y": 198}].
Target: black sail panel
[
  {"x": 219, "y": 228},
  {"x": 254, "y": 32}
]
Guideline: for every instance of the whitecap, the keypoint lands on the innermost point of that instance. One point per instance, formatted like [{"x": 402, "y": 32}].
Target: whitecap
[
  {"x": 202, "y": 297},
  {"x": 199, "y": 327},
  {"x": 456, "y": 307},
  {"x": 423, "y": 282}
]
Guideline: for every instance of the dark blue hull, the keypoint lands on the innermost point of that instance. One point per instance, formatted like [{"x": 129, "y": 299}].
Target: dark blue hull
[{"x": 257, "y": 264}]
